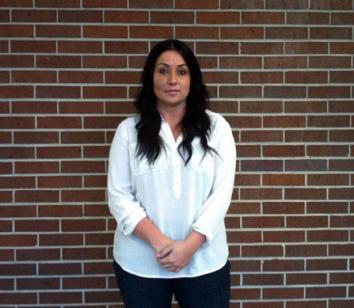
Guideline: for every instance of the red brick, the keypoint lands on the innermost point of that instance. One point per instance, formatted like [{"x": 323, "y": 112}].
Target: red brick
[
  {"x": 80, "y": 77},
  {"x": 223, "y": 17},
  {"x": 342, "y": 47},
  {"x": 279, "y": 4},
  {"x": 331, "y": 5},
  {"x": 36, "y": 196},
  {"x": 59, "y": 122},
  {"x": 283, "y": 293},
  {"x": 242, "y": 4},
  {"x": 93, "y": 210},
  {"x": 34, "y": 16},
  {"x": 242, "y": 33},
  {"x": 306, "y": 77},
  {"x": 260, "y": 107},
  {"x": 96, "y": 151},
  {"x": 306, "y": 278},
  {"x": 342, "y": 77},
  {"x": 261, "y": 77},
  {"x": 244, "y": 208},
  {"x": 284, "y": 91},
  {"x": 102, "y": 122},
  {"x": 345, "y": 106},
  {"x": 102, "y": 296},
  {"x": 307, "y": 18},
  {"x": 15, "y": 240},
  {"x": 327, "y": 207},
  {"x": 305, "y": 193},
  {"x": 59, "y": 61},
  {"x": 276, "y": 265},
  {"x": 81, "y": 107},
  {"x": 283, "y": 179},
  {"x": 284, "y": 121},
  {"x": 305, "y": 107},
  {"x": 18, "y": 298},
  {"x": 262, "y": 17},
  {"x": 60, "y": 297},
  {"x": 104, "y": 61},
  {"x": 84, "y": 253},
  {"x": 330, "y": 33},
  {"x": 259, "y": 136},
  {"x": 82, "y": 16},
  {"x": 38, "y": 283},
  {"x": 5, "y": 168},
  {"x": 60, "y": 211},
  {"x": 151, "y": 4},
  {"x": 122, "y": 77},
  {"x": 17, "y": 182},
  {"x": 341, "y": 135},
  {"x": 341, "y": 165},
  {"x": 16, "y": 152},
  {"x": 16, "y": 31},
  {"x": 82, "y": 47},
  {"x": 245, "y": 236},
  {"x": 241, "y": 91},
  {"x": 219, "y": 48},
  {"x": 260, "y": 193},
  {"x": 263, "y": 222},
  {"x": 59, "y": 181},
  {"x": 86, "y": 282},
  {"x": 104, "y": 92},
  {"x": 7, "y": 284},
  {"x": 327, "y": 236},
  {"x": 283, "y": 207},
  {"x": 25, "y": 46},
  {"x": 16, "y": 92},
  {"x": 240, "y": 62},
  {"x": 261, "y": 48},
  {"x": 342, "y": 278},
  {"x": 83, "y": 225},
  {"x": 33, "y": 76},
  {"x": 325, "y": 292},
  {"x": 125, "y": 17},
  {"x": 197, "y": 4},
  {"x": 285, "y": 62},
  {"x": 247, "y": 180},
  {"x": 306, "y": 47},
  {"x": 341, "y": 249},
  {"x": 17, "y": 122},
  {"x": 57, "y": 31},
  {"x": 327, "y": 179},
  {"x": 104, "y": 3},
  {"x": 82, "y": 195},
  {"x": 150, "y": 32},
  {"x": 58, "y": 3},
  {"x": 312, "y": 250},
  {"x": 36, "y": 225},
  {"x": 55, "y": 239},
  {"x": 244, "y": 121},
  {"x": 16, "y": 61},
  {"x": 261, "y": 165},
  {"x": 341, "y": 193},
  {"x": 330, "y": 62},
  {"x": 326, "y": 264},
  {"x": 342, "y": 221},
  {"x": 105, "y": 31},
  {"x": 83, "y": 167},
  {"x": 264, "y": 250},
  {"x": 295, "y": 33},
  {"x": 6, "y": 226},
  {"x": 306, "y": 136},
  {"x": 342, "y": 18},
  {"x": 327, "y": 150},
  {"x": 307, "y": 222},
  {"x": 37, "y": 167},
  {"x": 98, "y": 239},
  {"x": 283, "y": 236},
  {"x": 35, "y": 137},
  {"x": 37, "y": 254},
  {"x": 59, "y": 152},
  {"x": 58, "y": 92},
  {"x": 85, "y": 137},
  {"x": 262, "y": 279},
  {"x": 126, "y": 47}
]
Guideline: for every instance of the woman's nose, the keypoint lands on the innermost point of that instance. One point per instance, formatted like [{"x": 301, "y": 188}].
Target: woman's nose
[{"x": 172, "y": 78}]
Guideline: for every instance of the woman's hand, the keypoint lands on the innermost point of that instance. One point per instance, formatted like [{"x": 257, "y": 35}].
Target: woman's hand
[{"x": 177, "y": 254}]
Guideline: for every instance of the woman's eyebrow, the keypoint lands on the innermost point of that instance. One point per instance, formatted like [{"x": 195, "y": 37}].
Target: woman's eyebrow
[{"x": 165, "y": 64}]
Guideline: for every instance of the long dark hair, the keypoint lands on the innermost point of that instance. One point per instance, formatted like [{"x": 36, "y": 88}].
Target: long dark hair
[{"x": 195, "y": 123}]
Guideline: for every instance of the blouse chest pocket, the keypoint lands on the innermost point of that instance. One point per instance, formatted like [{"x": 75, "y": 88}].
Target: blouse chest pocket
[
  {"x": 203, "y": 162},
  {"x": 141, "y": 165}
]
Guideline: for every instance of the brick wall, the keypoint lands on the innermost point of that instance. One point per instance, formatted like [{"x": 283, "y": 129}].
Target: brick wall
[{"x": 281, "y": 72}]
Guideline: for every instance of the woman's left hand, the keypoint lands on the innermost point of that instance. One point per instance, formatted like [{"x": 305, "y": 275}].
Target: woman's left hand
[{"x": 178, "y": 254}]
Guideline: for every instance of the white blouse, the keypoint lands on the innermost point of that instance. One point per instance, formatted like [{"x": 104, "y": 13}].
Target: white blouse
[{"x": 176, "y": 197}]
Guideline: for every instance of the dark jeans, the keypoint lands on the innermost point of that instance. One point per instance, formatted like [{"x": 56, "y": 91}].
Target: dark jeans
[{"x": 210, "y": 290}]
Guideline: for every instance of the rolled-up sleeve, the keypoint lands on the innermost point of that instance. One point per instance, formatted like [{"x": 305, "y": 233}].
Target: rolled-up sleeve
[
  {"x": 212, "y": 213},
  {"x": 123, "y": 205}
]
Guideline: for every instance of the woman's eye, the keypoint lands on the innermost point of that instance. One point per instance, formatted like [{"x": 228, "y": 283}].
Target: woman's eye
[
  {"x": 162, "y": 71},
  {"x": 182, "y": 72}
]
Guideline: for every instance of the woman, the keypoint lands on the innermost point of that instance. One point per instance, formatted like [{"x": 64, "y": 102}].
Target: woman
[{"x": 170, "y": 181}]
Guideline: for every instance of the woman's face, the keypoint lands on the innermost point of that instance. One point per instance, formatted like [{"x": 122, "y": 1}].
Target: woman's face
[{"x": 171, "y": 80}]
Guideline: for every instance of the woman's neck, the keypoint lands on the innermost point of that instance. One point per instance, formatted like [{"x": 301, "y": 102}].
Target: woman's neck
[{"x": 174, "y": 117}]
